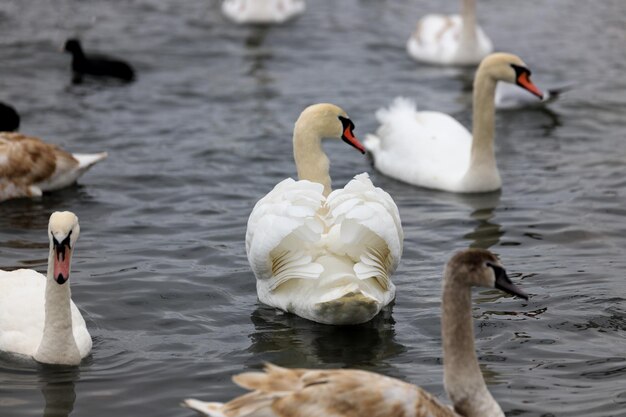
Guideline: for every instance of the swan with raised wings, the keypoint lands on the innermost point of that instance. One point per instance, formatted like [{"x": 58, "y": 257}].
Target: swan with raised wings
[
  {"x": 325, "y": 255},
  {"x": 29, "y": 166},
  {"x": 262, "y": 11},
  {"x": 433, "y": 150},
  {"x": 450, "y": 39},
  {"x": 281, "y": 392},
  {"x": 37, "y": 315}
]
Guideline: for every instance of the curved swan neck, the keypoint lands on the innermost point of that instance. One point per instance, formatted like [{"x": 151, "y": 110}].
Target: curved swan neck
[
  {"x": 57, "y": 344},
  {"x": 311, "y": 160},
  {"x": 468, "y": 19},
  {"x": 483, "y": 122},
  {"x": 463, "y": 379}
]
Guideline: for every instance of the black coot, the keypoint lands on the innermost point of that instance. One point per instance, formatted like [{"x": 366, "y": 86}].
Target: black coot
[
  {"x": 9, "y": 119},
  {"x": 96, "y": 65}
]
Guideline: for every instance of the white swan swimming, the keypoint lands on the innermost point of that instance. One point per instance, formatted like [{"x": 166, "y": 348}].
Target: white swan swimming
[
  {"x": 281, "y": 392},
  {"x": 262, "y": 11},
  {"x": 450, "y": 39},
  {"x": 433, "y": 150},
  {"x": 29, "y": 166},
  {"x": 511, "y": 97},
  {"x": 37, "y": 315},
  {"x": 325, "y": 256}
]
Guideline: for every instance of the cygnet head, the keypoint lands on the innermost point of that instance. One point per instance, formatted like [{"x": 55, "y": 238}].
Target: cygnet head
[
  {"x": 63, "y": 231},
  {"x": 511, "y": 69},
  {"x": 329, "y": 121},
  {"x": 72, "y": 46},
  {"x": 480, "y": 268}
]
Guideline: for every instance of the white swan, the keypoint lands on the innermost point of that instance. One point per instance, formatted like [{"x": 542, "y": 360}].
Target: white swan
[
  {"x": 510, "y": 97},
  {"x": 433, "y": 150},
  {"x": 37, "y": 315},
  {"x": 325, "y": 256},
  {"x": 29, "y": 166},
  {"x": 281, "y": 392},
  {"x": 262, "y": 11},
  {"x": 450, "y": 39}
]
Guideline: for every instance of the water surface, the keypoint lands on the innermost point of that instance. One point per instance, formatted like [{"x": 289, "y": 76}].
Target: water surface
[{"x": 160, "y": 271}]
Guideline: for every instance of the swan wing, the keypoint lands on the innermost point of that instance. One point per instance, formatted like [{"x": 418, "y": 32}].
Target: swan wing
[
  {"x": 367, "y": 223},
  {"x": 262, "y": 11},
  {"x": 429, "y": 149},
  {"x": 435, "y": 39},
  {"x": 281, "y": 392},
  {"x": 21, "y": 310},
  {"x": 282, "y": 230}
]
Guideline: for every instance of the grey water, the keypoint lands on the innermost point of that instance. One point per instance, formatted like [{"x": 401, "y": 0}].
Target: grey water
[{"x": 160, "y": 271}]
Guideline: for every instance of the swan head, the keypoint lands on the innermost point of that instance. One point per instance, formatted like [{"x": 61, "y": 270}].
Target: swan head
[
  {"x": 511, "y": 69},
  {"x": 480, "y": 268},
  {"x": 63, "y": 231},
  {"x": 329, "y": 121}
]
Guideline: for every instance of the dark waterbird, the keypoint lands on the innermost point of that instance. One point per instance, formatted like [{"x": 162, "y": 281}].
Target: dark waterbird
[
  {"x": 96, "y": 65},
  {"x": 9, "y": 119}
]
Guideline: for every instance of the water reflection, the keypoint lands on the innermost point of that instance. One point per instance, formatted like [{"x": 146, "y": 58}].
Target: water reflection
[
  {"x": 486, "y": 233},
  {"x": 291, "y": 341},
  {"x": 57, "y": 387}
]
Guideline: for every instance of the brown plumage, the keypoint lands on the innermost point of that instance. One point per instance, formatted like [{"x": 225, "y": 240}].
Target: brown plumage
[
  {"x": 281, "y": 392},
  {"x": 29, "y": 166}
]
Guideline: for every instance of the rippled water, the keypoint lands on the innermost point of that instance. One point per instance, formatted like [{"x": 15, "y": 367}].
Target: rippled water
[{"x": 160, "y": 271}]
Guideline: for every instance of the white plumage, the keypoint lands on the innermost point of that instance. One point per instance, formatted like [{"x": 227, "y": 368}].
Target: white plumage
[
  {"x": 433, "y": 150},
  {"x": 325, "y": 259},
  {"x": 22, "y": 314},
  {"x": 325, "y": 255},
  {"x": 37, "y": 315},
  {"x": 262, "y": 11},
  {"x": 450, "y": 39},
  {"x": 425, "y": 148}
]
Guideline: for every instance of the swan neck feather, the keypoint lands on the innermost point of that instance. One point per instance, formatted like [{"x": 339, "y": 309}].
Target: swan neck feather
[
  {"x": 311, "y": 161},
  {"x": 468, "y": 22},
  {"x": 57, "y": 345},
  {"x": 463, "y": 379},
  {"x": 483, "y": 121}
]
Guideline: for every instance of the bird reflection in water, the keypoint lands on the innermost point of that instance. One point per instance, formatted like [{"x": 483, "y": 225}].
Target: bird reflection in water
[
  {"x": 57, "y": 387},
  {"x": 291, "y": 341}
]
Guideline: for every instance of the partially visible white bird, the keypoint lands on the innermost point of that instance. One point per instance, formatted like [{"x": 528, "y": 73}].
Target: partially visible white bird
[
  {"x": 37, "y": 315},
  {"x": 29, "y": 166},
  {"x": 282, "y": 392},
  {"x": 325, "y": 256},
  {"x": 450, "y": 39},
  {"x": 262, "y": 11},
  {"x": 433, "y": 150},
  {"x": 509, "y": 97}
]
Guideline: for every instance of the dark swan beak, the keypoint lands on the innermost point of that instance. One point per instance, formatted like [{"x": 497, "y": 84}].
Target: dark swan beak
[{"x": 504, "y": 283}]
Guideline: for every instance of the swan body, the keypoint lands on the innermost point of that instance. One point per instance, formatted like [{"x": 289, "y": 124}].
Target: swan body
[
  {"x": 262, "y": 11},
  {"x": 281, "y": 392},
  {"x": 510, "y": 97},
  {"x": 37, "y": 316},
  {"x": 433, "y": 150},
  {"x": 450, "y": 39},
  {"x": 29, "y": 166},
  {"x": 324, "y": 255}
]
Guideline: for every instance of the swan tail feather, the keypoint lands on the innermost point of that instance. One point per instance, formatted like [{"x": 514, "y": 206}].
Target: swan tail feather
[{"x": 205, "y": 408}]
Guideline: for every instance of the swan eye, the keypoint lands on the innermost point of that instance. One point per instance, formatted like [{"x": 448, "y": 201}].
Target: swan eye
[
  {"x": 347, "y": 123},
  {"x": 519, "y": 71}
]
